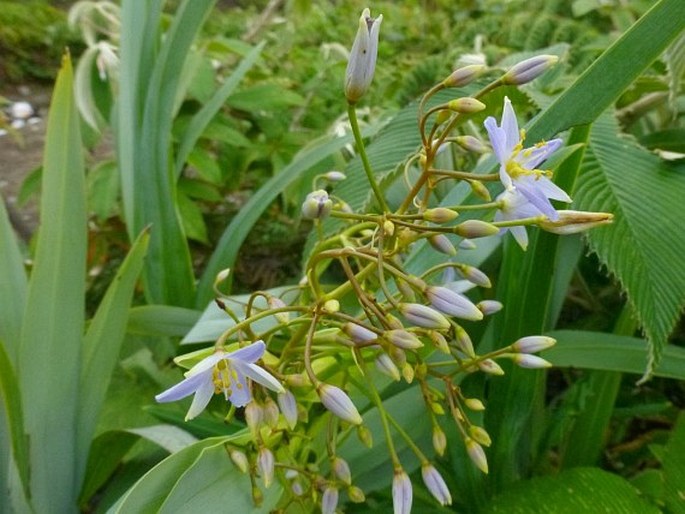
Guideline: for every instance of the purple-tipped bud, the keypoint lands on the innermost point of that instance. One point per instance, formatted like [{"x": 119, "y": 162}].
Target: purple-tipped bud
[
  {"x": 476, "y": 228},
  {"x": 365, "y": 436},
  {"x": 362, "y": 63},
  {"x": 440, "y": 215},
  {"x": 288, "y": 405},
  {"x": 270, "y": 413},
  {"x": 342, "y": 470},
  {"x": 254, "y": 417},
  {"x": 335, "y": 176},
  {"x": 533, "y": 344},
  {"x": 423, "y": 316},
  {"x": 480, "y": 435},
  {"x": 336, "y": 401},
  {"x": 477, "y": 454},
  {"x": 453, "y": 304},
  {"x": 530, "y": 69},
  {"x": 474, "y": 275},
  {"x": 488, "y": 307},
  {"x": 474, "y": 404},
  {"x": 480, "y": 190},
  {"x": 442, "y": 244},
  {"x": 464, "y": 76},
  {"x": 317, "y": 205},
  {"x": 439, "y": 341},
  {"x": 439, "y": 440},
  {"x": 526, "y": 360},
  {"x": 436, "y": 484},
  {"x": 403, "y": 339},
  {"x": 465, "y": 105},
  {"x": 355, "y": 494},
  {"x": 398, "y": 356},
  {"x": 402, "y": 493},
  {"x": 329, "y": 500},
  {"x": 265, "y": 465},
  {"x": 464, "y": 342},
  {"x": 296, "y": 488},
  {"x": 490, "y": 367},
  {"x": 239, "y": 459},
  {"x": 471, "y": 144},
  {"x": 358, "y": 333},
  {"x": 385, "y": 365}
]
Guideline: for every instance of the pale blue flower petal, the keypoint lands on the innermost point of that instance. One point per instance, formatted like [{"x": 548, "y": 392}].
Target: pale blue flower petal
[
  {"x": 184, "y": 388},
  {"x": 240, "y": 392},
  {"x": 520, "y": 235},
  {"x": 498, "y": 139},
  {"x": 510, "y": 126},
  {"x": 531, "y": 158},
  {"x": 553, "y": 191},
  {"x": 202, "y": 396},
  {"x": 249, "y": 354},
  {"x": 528, "y": 188},
  {"x": 258, "y": 374},
  {"x": 206, "y": 363}
]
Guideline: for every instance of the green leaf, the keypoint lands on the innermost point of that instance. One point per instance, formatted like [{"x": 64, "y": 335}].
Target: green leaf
[
  {"x": 169, "y": 437},
  {"x": 264, "y": 97},
  {"x": 103, "y": 189},
  {"x": 161, "y": 320},
  {"x": 201, "y": 120},
  {"x": 102, "y": 345},
  {"x": 13, "y": 287},
  {"x": 205, "y": 164},
  {"x": 191, "y": 216},
  {"x": 570, "y": 492},
  {"x": 639, "y": 189},
  {"x": 674, "y": 468},
  {"x": 610, "y": 352},
  {"x": 675, "y": 60},
  {"x": 51, "y": 339}
]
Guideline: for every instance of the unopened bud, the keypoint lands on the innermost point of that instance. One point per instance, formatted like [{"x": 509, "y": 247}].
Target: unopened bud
[
  {"x": 439, "y": 440},
  {"x": 488, "y": 307},
  {"x": 466, "y": 105},
  {"x": 408, "y": 373},
  {"x": 403, "y": 339},
  {"x": 336, "y": 401},
  {"x": 288, "y": 405},
  {"x": 265, "y": 465},
  {"x": 490, "y": 367},
  {"x": 528, "y": 70},
  {"x": 398, "y": 356},
  {"x": 533, "y": 344},
  {"x": 329, "y": 500},
  {"x": 385, "y": 365},
  {"x": 467, "y": 244},
  {"x": 464, "y": 76},
  {"x": 474, "y": 404},
  {"x": 480, "y": 190},
  {"x": 296, "y": 380},
  {"x": 393, "y": 322},
  {"x": 480, "y": 435},
  {"x": 442, "y": 244},
  {"x": 526, "y": 360},
  {"x": 331, "y": 306},
  {"x": 406, "y": 290},
  {"x": 358, "y": 333},
  {"x": 436, "y": 484},
  {"x": 270, "y": 411},
  {"x": 453, "y": 304},
  {"x": 475, "y": 228},
  {"x": 335, "y": 176},
  {"x": 474, "y": 275},
  {"x": 296, "y": 488},
  {"x": 437, "y": 408},
  {"x": 276, "y": 303},
  {"x": 365, "y": 436},
  {"x": 402, "y": 493},
  {"x": 572, "y": 222},
  {"x": 464, "y": 342},
  {"x": 440, "y": 215},
  {"x": 476, "y": 454},
  {"x": 388, "y": 228},
  {"x": 471, "y": 144},
  {"x": 254, "y": 417},
  {"x": 362, "y": 63},
  {"x": 239, "y": 459},
  {"x": 355, "y": 494},
  {"x": 423, "y": 316},
  {"x": 221, "y": 276},
  {"x": 317, "y": 205},
  {"x": 439, "y": 341},
  {"x": 342, "y": 470},
  {"x": 440, "y": 118}
]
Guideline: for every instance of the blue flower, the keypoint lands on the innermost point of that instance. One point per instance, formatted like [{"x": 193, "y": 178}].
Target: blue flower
[
  {"x": 222, "y": 372},
  {"x": 514, "y": 206},
  {"x": 518, "y": 165}
]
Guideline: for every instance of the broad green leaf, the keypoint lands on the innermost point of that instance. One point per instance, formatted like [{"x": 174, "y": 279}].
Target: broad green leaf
[
  {"x": 191, "y": 217},
  {"x": 161, "y": 320},
  {"x": 674, "y": 468},
  {"x": 13, "y": 287},
  {"x": 102, "y": 345},
  {"x": 610, "y": 352},
  {"x": 169, "y": 437},
  {"x": 675, "y": 60},
  {"x": 203, "y": 117},
  {"x": 103, "y": 189},
  {"x": 570, "y": 492},
  {"x": 642, "y": 192},
  {"x": 264, "y": 97},
  {"x": 51, "y": 338}
]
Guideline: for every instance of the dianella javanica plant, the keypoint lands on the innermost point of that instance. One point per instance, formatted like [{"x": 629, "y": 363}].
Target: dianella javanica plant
[{"x": 338, "y": 343}]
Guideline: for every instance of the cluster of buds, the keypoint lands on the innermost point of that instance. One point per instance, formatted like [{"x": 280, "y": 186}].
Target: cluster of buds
[{"x": 323, "y": 336}]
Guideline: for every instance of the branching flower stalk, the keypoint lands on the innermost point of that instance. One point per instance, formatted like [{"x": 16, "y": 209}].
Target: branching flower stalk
[{"x": 361, "y": 316}]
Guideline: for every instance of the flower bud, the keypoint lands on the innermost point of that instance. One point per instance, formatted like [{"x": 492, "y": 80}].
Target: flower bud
[
  {"x": 475, "y": 228},
  {"x": 276, "y": 303},
  {"x": 385, "y": 365},
  {"x": 464, "y": 342},
  {"x": 401, "y": 493},
  {"x": 467, "y": 244},
  {"x": 317, "y": 205},
  {"x": 572, "y": 222},
  {"x": 423, "y": 316},
  {"x": 239, "y": 459},
  {"x": 358, "y": 333},
  {"x": 296, "y": 488},
  {"x": 488, "y": 307},
  {"x": 439, "y": 440},
  {"x": 439, "y": 341},
  {"x": 526, "y": 360},
  {"x": 365, "y": 436},
  {"x": 342, "y": 470},
  {"x": 533, "y": 344},
  {"x": 355, "y": 494},
  {"x": 296, "y": 380},
  {"x": 265, "y": 465},
  {"x": 442, "y": 244},
  {"x": 436, "y": 484},
  {"x": 388, "y": 228},
  {"x": 331, "y": 306},
  {"x": 336, "y": 401},
  {"x": 465, "y": 105},
  {"x": 528, "y": 70},
  {"x": 403, "y": 339},
  {"x": 270, "y": 411},
  {"x": 490, "y": 367},
  {"x": 335, "y": 176},
  {"x": 480, "y": 435},
  {"x": 329, "y": 500},
  {"x": 453, "y": 304},
  {"x": 464, "y": 76},
  {"x": 474, "y": 404},
  {"x": 480, "y": 190},
  {"x": 406, "y": 290},
  {"x": 440, "y": 215},
  {"x": 408, "y": 373},
  {"x": 254, "y": 417},
  {"x": 471, "y": 144},
  {"x": 398, "y": 356},
  {"x": 362, "y": 63},
  {"x": 476, "y": 454},
  {"x": 474, "y": 275},
  {"x": 288, "y": 405}
]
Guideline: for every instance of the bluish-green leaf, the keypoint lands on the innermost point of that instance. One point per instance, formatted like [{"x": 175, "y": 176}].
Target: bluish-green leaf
[{"x": 161, "y": 320}]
